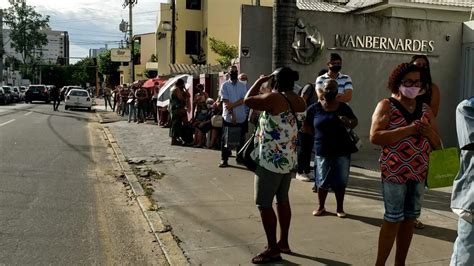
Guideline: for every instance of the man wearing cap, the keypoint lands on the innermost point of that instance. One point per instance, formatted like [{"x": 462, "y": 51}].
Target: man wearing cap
[
  {"x": 462, "y": 201},
  {"x": 344, "y": 81}
]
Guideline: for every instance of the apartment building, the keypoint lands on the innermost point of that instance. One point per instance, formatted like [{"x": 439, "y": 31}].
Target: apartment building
[
  {"x": 196, "y": 21},
  {"x": 57, "y": 47}
]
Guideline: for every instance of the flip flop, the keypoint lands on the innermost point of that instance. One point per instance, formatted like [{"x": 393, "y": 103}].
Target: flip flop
[
  {"x": 285, "y": 250},
  {"x": 263, "y": 258},
  {"x": 419, "y": 224},
  {"x": 319, "y": 212},
  {"x": 341, "y": 214}
]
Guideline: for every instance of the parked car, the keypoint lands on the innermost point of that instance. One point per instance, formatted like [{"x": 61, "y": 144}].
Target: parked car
[
  {"x": 15, "y": 94},
  {"x": 3, "y": 97},
  {"x": 78, "y": 98},
  {"x": 8, "y": 93},
  {"x": 37, "y": 93},
  {"x": 21, "y": 94},
  {"x": 65, "y": 90}
]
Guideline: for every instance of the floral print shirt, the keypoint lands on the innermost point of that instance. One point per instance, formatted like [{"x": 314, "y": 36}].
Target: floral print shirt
[{"x": 275, "y": 142}]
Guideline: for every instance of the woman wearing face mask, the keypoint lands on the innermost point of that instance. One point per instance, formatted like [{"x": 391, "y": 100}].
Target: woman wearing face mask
[
  {"x": 406, "y": 130},
  {"x": 330, "y": 119}
]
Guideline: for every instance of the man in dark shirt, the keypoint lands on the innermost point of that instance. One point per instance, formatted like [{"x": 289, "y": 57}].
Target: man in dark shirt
[{"x": 55, "y": 97}]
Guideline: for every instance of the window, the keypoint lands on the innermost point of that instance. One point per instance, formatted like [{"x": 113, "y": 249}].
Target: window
[
  {"x": 193, "y": 42},
  {"x": 193, "y": 4}
]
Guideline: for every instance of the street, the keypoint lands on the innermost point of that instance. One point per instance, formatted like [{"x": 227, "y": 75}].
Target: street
[{"x": 62, "y": 201}]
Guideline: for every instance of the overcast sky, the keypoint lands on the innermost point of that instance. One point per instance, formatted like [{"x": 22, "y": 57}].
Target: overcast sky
[{"x": 94, "y": 23}]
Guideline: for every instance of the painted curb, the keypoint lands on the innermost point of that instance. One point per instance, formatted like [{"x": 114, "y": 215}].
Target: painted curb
[{"x": 168, "y": 244}]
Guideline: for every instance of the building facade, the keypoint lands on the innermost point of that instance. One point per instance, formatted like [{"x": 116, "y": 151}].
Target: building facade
[
  {"x": 146, "y": 45},
  {"x": 94, "y": 53},
  {"x": 371, "y": 46},
  {"x": 196, "y": 21},
  {"x": 56, "y": 51}
]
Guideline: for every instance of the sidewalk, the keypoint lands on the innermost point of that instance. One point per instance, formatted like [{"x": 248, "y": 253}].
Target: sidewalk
[{"x": 212, "y": 213}]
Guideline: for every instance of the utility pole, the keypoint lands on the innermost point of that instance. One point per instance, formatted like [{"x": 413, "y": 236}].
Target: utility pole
[
  {"x": 284, "y": 17},
  {"x": 173, "y": 31},
  {"x": 130, "y": 4}
]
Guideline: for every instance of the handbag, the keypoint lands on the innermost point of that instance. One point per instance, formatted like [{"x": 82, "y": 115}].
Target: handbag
[
  {"x": 216, "y": 121},
  {"x": 443, "y": 167},
  {"x": 244, "y": 154},
  {"x": 356, "y": 142}
]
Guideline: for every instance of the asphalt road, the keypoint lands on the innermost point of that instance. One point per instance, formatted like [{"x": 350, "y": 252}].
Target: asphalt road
[{"x": 60, "y": 200}]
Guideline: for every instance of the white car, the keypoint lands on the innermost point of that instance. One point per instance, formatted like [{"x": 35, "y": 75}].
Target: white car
[{"x": 78, "y": 98}]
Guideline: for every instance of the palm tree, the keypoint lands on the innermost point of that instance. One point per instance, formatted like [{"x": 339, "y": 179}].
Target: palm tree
[{"x": 284, "y": 17}]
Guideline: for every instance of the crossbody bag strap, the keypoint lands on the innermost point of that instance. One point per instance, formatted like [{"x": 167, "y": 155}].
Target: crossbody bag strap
[{"x": 292, "y": 111}]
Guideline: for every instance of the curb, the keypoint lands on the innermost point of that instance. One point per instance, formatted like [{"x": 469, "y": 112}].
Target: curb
[{"x": 173, "y": 253}]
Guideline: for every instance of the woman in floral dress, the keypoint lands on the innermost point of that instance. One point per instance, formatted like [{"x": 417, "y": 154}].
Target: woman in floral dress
[{"x": 275, "y": 155}]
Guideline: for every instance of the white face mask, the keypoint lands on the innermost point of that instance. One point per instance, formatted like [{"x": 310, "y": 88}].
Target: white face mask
[{"x": 244, "y": 82}]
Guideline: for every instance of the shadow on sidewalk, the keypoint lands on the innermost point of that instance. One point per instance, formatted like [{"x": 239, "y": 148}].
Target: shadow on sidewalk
[
  {"x": 429, "y": 230},
  {"x": 365, "y": 186},
  {"x": 316, "y": 259}
]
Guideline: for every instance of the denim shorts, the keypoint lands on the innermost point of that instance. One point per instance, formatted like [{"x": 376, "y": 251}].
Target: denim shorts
[
  {"x": 269, "y": 185},
  {"x": 463, "y": 253},
  {"x": 402, "y": 201},
  {"x": 332, "y": 172}
]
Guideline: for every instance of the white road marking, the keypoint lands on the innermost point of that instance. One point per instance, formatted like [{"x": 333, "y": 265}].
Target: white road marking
[
  {"x": 8, "y": 122},
  {"x": 28, "y": 113}
]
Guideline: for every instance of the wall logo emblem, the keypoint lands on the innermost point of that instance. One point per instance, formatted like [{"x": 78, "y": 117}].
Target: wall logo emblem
[
  {"x": 308, "y": 43},
  {"x": 245, "y": 51}
]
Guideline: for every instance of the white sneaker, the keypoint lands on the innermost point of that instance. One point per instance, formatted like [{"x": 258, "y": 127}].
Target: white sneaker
[{"x": 302, "y": 177}]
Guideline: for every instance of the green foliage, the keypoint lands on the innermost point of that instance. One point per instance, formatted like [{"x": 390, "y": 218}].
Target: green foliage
[
  {"x": 225, "y": 51},
  {"x": 84, "y": 72},
  {"x": 12, "y": 62},
  {"x": 109, "y": 68},
  {"x": 26, "y": 25},
  {"x": 151, "y": 74},
  {"x": 55, "y": 75},
  {"x": 153, "y": 58}
]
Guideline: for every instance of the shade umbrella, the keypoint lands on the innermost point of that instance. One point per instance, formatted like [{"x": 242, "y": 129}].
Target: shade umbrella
[
  {"x": 164, "y": 93},
  {"x": 150, "y": 83}
]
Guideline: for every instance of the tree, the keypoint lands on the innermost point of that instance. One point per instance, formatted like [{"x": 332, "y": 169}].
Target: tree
[
  {"x": 225, "y": 51},
  {"x": 84, "y": 72},
  {"x": 284, "y": 17},
  {"x": 109, "y": 68},
  {"x": 12, "y": 62},
  {"x": 26, "y": 29}
]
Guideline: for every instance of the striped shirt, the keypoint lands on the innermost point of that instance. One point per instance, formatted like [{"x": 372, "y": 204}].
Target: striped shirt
[{"x": 344, "y": 82}]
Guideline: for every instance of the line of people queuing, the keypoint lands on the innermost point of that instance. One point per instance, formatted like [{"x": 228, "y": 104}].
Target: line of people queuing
[
  {"x": 404, "y": 125},
  {"x": 133, "y": 101},
  {"x": 293, "y": 127}
]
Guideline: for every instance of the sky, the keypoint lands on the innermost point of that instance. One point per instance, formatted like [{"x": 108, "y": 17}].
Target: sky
[{"x": 94, "y": 23}]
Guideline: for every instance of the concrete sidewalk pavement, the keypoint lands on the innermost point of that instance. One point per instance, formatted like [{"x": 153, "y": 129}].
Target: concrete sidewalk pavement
[{"x": 212, "y": 213}]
